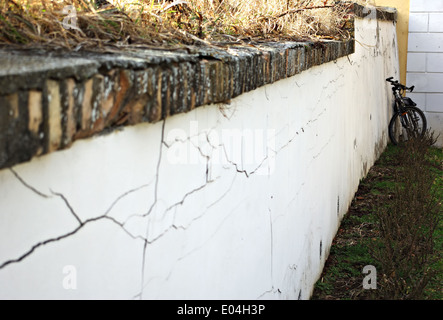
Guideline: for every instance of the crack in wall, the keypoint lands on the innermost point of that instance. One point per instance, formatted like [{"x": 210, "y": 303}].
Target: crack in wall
[
  {"x": 308, "y": 165},
  {"x": 195, "y": 249},
  {"x": 224, "y": 108},
  {"x": 174, "y": 208},
  {"x": 311, "y": 121},
  {"x": 126, "y": 194},
  {"x": 75, "y": 215},
  {"x": 245, "y": 172},
  {"x": 297, "y": 133},
  {"x": 68, "y": 205},
  {"x": 174, "y": 226},
  {"x": 158, "y": 168},
  {"x": 45, "y": 242},
  {"x": 27, "y": 185},
  {"x": 273, "y": 291},
  {"x": 215, "y": 147},
  {"x": 323, "y": 147},
  {"x": 145, "y": 245},
  {"x": 301, "y": 130}
]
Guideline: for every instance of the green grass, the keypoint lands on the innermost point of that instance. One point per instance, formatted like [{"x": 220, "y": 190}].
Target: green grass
[
  {"x": 435, "y": 287},
  {"x": 358, "y": 235}
]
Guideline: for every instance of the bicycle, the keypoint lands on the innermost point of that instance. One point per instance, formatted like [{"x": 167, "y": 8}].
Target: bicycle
[{"x": 408, "y": 120}]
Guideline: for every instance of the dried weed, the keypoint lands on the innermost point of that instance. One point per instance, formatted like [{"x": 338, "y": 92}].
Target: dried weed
[{"x": 168, "y": 23}]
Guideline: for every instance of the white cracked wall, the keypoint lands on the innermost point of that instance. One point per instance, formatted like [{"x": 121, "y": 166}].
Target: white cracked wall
[{"x": 237, "y": 201}]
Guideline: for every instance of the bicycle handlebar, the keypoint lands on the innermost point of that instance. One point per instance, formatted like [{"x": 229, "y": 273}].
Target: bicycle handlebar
[{"x": 398, "y": 85}]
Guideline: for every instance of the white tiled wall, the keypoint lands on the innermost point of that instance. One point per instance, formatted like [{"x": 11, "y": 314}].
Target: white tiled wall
[
  {"x": 426, "y": 6},
  {"x": 425, "y": 59}
]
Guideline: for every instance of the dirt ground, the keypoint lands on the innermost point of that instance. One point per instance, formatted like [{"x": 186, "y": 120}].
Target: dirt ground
[{"x": 342, "y": 277}]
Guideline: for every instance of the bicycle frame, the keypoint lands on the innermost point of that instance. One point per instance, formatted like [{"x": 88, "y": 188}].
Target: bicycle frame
[
  {"x": 399, "y": 104},
  {"x": 409, "y": 117}
]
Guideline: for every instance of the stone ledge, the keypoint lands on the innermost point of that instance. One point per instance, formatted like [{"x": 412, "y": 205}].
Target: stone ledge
[
  {"x": 380, "y": 13},
  {"x": 57, "y": 98}
]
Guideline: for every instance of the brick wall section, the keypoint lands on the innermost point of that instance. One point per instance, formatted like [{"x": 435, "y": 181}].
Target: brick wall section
[
  {"x": 61, "y": 98},
  {"x": 425, "y": 54}
]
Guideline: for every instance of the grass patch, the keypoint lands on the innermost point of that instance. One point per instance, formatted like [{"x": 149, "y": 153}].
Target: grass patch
[
  {"x": 120, "y": 23},
  {"x": 395, "y": 224}
]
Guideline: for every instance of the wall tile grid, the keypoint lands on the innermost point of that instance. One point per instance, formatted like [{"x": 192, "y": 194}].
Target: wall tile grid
[
  {"x": 425, "y": 55},
  {"x": 60, "y": 98}
]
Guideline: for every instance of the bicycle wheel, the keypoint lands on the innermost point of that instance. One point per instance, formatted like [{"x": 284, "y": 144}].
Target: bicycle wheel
[{"x": 409, "y": 123}]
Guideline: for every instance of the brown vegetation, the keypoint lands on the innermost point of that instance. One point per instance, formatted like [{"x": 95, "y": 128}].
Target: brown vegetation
[{"x": 167, "y": 22}]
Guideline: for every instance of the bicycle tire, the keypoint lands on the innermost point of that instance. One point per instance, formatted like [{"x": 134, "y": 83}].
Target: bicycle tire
[{"x": 415, "y": 121}]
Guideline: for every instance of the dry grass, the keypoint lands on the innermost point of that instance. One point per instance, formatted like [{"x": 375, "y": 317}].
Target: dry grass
[{"x": 167, "y": 22}]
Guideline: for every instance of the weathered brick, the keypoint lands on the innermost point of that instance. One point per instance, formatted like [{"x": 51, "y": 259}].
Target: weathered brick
[
  {"x": 35, "y": 120},
  {"x": 8, "y": 115},
  {"x": 122, "y": 87},
  {"x": 139, "y": 100},
  {"x": 110, "y": 86},
  {"x": 274, "y": 65},
  {"x": 308, "y": 56},
  {"x": 13, "y": 103},
  {"x": 140, "y": 83},
  {"x": 166, "y": 90},
  {"x": 223, "y": 74},
  {"x": 175, "y": 82},
  {"x": 69, "y": 119},
  {"x": 184, "y": 94},
  {"x": 17, "y": 143},
  {"x": 97, "y": 114},
  {"x": 54, "y": 116},
  {"x": 177, "y": 95},
  {"x": 249, "y": 80},
  {"x": 195, "y": 86},
  {"x": 210, "y": 82},
  {"x": 267, "y": 67},
  {"x": 227, "y": 82},
  {"x": 301, "y": 59},
  {"x": 4, "y": 125},
  {"x": 86, "y": 108},
  {"x": 153, "y": 111},
  {"x": 35, "y": 111},
  {"x": 136, "y": 109}
]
